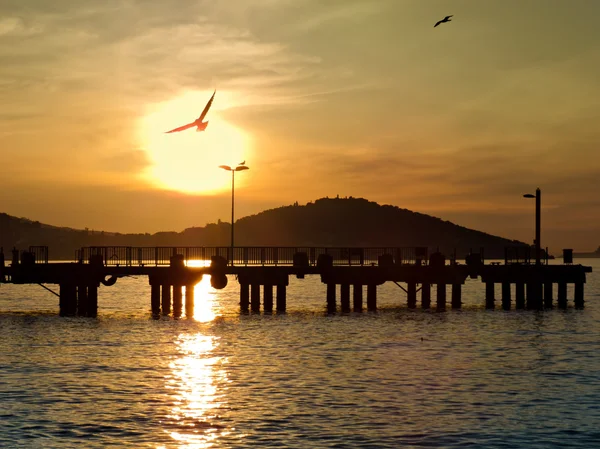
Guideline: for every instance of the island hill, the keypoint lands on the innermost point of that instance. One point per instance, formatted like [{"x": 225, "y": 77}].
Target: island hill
[
  {"x": 595, "y": 254},
  {"x": 345, "y": 222}
]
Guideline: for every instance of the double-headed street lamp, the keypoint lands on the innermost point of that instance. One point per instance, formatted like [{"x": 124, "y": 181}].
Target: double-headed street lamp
[
  {"x": 538, "y": 214},
  {"x": 240, "y": 167}
]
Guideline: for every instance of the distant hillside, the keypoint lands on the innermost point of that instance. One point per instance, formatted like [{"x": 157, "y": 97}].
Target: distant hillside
[
  {"x": 595, "y": 254},
  {"x": 326, "y": 222}
]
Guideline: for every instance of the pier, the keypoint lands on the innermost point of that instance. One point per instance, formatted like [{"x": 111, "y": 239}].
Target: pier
[{"x": 173, "y": 272}]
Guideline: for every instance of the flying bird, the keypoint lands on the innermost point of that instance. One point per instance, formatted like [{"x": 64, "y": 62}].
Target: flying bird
[
  {"x": 444, "y": 20},
  {"x": 200, "y": 125},
  {"x": 242, "y": 163}
]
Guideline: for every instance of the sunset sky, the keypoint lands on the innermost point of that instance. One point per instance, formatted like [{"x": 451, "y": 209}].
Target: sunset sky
[{"x": 320, "y": 97}]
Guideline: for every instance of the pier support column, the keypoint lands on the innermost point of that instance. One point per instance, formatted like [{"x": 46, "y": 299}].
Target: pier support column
[
  {"x": 154, "y": 299},
  {"x": 456, "y": 296},
  {"x": 579, "y": 295},
  {"x": 562, "y": 295},
  {"x": 68, "y": 300},
  {"x": 548, "y": 297},
  {"x": 166, "y": 299},
  {"x": 281, "y": 298},
  {"x": 82, "y": 299},
  {"x": 92, "y": 310},
  {"x": 441, "y": 296},
  {"x": 244, "y": 298},
  {"x": 268, "y": 298},
  {"x": 177, "y": 300},
  {"x": 255, "y": 298},
  {"x": 426, "y": 295},
  {"x": 189, "y": 300},
  {"x": 372, "y": 297},
  {"x": 520, "y": 295},
  {"x": 331, "y": 306},
  {"x": 357, "y": 293},
  {"x": 506, "y": 295},
  {"x": 345, "y": 297},
  {"x": 411, "y": 293},
  {"x": 489, "y": 295},
  {"x": 534, "y": 293}
]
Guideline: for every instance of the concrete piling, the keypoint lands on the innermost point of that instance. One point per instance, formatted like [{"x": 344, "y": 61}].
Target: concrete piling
[
  {"x": 426, "y": 295},
  {"x": 345, "y": 297},
  {"x": 357, "y": 297},
  {"x": 372, "y": 297},
  {"x": 506, "y": 296},
  {"x": 411, "y": 293},
  {"x": 456, "y": 296},
  {"x": 177, "y": 300},
  {"x": 268, "y": 298},
  {"x": 255, "y": 298},
  {"x": 166, "y": 299}
]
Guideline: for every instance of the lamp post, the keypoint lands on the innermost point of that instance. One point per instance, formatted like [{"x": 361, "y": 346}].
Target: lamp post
[
  {"x": 538, "y": 215},
  {"x": 240, "y": 167}
]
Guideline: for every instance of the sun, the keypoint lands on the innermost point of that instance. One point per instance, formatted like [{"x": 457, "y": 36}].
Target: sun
[{"x": 188, "y": 161}]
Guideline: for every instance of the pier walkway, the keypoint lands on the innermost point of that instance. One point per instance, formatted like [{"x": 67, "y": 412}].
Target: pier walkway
[{"x": 413, "y": 269}]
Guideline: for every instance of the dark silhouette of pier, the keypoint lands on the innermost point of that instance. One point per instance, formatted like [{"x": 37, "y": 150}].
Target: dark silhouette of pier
[{"x": 413, "y": 269}]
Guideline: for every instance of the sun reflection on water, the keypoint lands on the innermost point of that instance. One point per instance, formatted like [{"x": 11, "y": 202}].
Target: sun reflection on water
[{"x": 198, "y": 382}]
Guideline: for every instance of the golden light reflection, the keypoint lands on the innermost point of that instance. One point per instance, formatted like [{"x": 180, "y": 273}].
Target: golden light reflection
[
  {"x": 188, "y": 161},
  {"x": 204, "y": 303},
  {"x": 199, "y": 382}
]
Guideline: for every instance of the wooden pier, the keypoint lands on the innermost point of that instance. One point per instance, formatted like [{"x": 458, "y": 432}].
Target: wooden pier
[{"x": 170, "y": 269}]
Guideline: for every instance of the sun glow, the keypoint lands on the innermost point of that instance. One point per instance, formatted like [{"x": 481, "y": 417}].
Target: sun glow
[{"x": 188, "y": 161}]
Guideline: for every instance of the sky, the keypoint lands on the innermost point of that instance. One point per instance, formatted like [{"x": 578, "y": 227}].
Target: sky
[{"x": 358, "y": 98}]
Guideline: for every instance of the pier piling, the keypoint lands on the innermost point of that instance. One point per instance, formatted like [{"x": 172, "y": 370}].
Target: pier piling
[
  {"x": 189, "y": 300},
  {"x": 268, "y": 298},
  {"x": 244, "y": 298},
  {"x": 426, "y": 295},
  {"x": 506, "y": 296},
  {"x": 68, "y": 299},
  {"x": 562, "y": 295},
  {"x": 456, "y": 296},
  {"x": 441, "y": 296},
  {"x": 331, "y": 306},
  {"x": 82, "y": 300},
  {"x": 372, "y": 297},
  {"x": 255, "y": 298},
  {"x": 357, "y": 297},
  {"x": 166, "y": 300},
  {"x": 489, "y": 295},
  {"x": 579, "y": 295},
  {"x": 345, "y": 297},
  {"x": 520, "y": 295},
  {"x": 548, "y": 296},
  {"x": 177, "y": 300},
  {"x": 411, "y": 293},
  {"x": 281, "y": 298}
]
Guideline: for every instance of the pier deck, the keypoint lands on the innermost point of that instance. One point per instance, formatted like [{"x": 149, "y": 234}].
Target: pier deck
[{"x": 169, "y": 269}]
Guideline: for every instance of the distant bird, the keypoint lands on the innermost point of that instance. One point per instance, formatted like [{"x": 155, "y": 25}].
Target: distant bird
[
  {"x": 242, "y": 163},
  {"x": 201, "y": 126},
  {"x": 444, "y": 20}
]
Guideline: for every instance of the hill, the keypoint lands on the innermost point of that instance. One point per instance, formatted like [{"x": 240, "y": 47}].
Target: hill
[{"x": 326, "y": 222}]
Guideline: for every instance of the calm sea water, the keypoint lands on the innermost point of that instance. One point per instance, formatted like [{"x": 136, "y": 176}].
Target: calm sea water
[{"x": 394, "y": 378}]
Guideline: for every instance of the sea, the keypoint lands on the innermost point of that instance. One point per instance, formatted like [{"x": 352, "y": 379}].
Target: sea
[{"x": 394, "y": 378}]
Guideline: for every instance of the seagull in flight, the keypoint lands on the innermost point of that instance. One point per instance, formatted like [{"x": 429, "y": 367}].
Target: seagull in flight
[
  {"x": 444, "y": 20},
  {"x": 242, "y": 163},
  {"x": 200, "y": 125}
]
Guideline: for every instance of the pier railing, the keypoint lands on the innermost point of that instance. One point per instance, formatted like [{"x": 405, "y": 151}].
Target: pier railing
[{"x": 250, "y": 255}]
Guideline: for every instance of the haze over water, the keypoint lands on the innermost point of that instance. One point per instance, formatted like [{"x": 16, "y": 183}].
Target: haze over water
[{"x": 395, "y": 378}]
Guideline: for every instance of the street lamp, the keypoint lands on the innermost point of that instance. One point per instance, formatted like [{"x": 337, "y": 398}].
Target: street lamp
[
  {"x": 240, "y": 167},
  {"x": 538, "y": 214}
]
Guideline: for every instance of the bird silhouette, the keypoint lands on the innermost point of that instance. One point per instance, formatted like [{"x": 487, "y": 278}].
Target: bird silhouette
[
  {"x": 444, "y": 20},
  {"x": 242, "y": 163},
  {"x": 201, "y": 126}
]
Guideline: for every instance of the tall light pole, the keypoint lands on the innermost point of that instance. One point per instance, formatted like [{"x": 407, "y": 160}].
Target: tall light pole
[
  {"x": 240, "y": 167},
  {"x": 538, "y": 218}
]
